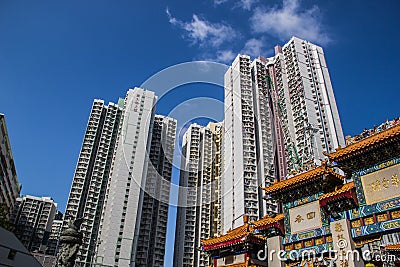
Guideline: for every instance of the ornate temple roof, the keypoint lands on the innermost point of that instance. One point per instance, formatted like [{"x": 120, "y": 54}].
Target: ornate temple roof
[
  {"x": 268, "y": 221},
  {"x": 303, "y": 178},
  {"x": 340, "y": 199},
  {"x": 340, "y": 191},
  {"x": 235, "y": 236},
  {"x": 246, "y": 264},
  {"x": 360, "y": 242},
  {"x": 373, "y": 141},
  {"x": 393, "y": 247}
]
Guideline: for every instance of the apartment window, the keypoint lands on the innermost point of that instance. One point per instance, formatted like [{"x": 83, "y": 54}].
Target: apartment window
[{"x": 11, "y": 254}]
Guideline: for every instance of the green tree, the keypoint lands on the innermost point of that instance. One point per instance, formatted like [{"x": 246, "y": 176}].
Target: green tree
[{"x": 4, "y": 218}]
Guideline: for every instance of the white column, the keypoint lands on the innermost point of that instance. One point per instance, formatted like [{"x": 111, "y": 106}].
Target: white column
[
  {"x": 274, "y": 245},
  {"x": 344, "y": 245}
]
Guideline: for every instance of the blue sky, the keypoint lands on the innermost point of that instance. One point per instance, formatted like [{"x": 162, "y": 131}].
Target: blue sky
[{"x": 57, "y": 56}]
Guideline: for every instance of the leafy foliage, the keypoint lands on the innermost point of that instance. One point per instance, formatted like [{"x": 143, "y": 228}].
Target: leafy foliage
[{"x": 4, "y": 218}]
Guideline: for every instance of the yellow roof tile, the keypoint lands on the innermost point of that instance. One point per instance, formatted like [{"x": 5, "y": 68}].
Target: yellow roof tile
[
  {"x": 344, "y": 188},
  {"x": 373, "y": 140},
  {"x": 268, "y": 220},
  {"x": 393, "y": 247},
  {"x": 231, "y": 235},
  {"x": 302, "y": 178}
]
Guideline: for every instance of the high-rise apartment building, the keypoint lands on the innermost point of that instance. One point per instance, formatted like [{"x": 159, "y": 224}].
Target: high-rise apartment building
[
  {"x": 216, "y": 197},
  {"x": 56, "y": 228},
  {"x": 33, "y": 218},
  {"x": 9, "y": 186},
  {"x": 199, "y": 195},
  {"x": 265, "y": 143},
  {"x": 247, "y": 142},
  {"x": 154, "y": 219},
  {"x": 307, "y": 118},
  {"x": 120, "y": 219},
  {"x": 280, "y": 116},
  {"x": 121, "y": 183},
  {"x": 125, "y": 212},
  {"x": 92, "y": 172}
]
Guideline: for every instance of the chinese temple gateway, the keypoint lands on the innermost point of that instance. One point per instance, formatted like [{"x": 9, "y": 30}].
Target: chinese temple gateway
[{"x": 328, "y": 219}]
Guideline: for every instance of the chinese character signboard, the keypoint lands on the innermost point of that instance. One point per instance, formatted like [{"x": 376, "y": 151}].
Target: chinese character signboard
[
  {"x": 305, "y": 217},
  {"x": 381, "y": 185},
  {"x": 343, "y": 245}
]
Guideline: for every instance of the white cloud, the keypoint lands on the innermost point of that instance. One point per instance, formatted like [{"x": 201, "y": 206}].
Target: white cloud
[
  {"x": 203, "y": 32},
  {"x": 225, "y": 56},
  {"x": 218, "y": 2},
  {"x": 254, "y": 47},
  {"x": 243, "y": 4},
  {"x": 246, "y": 4},
  {"x": 219, "y": 56},
  {"x": 172, "y": 20},
  {"x": 290, "y": 20}
]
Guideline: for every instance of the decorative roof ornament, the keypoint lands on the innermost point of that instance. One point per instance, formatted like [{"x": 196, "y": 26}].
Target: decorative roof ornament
[
  {"x": 377, "y": 129},
  {"x": 357, "y": 145},
  {"x": 304, "y": 178}
]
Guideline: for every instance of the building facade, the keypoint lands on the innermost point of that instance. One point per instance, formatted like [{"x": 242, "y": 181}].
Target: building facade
[
  {"x": 240, "y": 177},
  {"x": 264, "y": 133},
  {"x": 154, "y": 218},
  {"x": 115, "y": 188},
  {"x": 123, "y": 212},
  {"x": 307, "y": 118},
  {"x": 198, "y": 214},
  {"x": 120, "y": 218},
  {"x": 92, "y": 172},
  {"x": 216, "y": 196},
  {"x": 56, "y": 228},
  {"x": 9, "y": 186},
  {"x": 280, "y": 116},
  {"x": 33, "y": 218}
]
